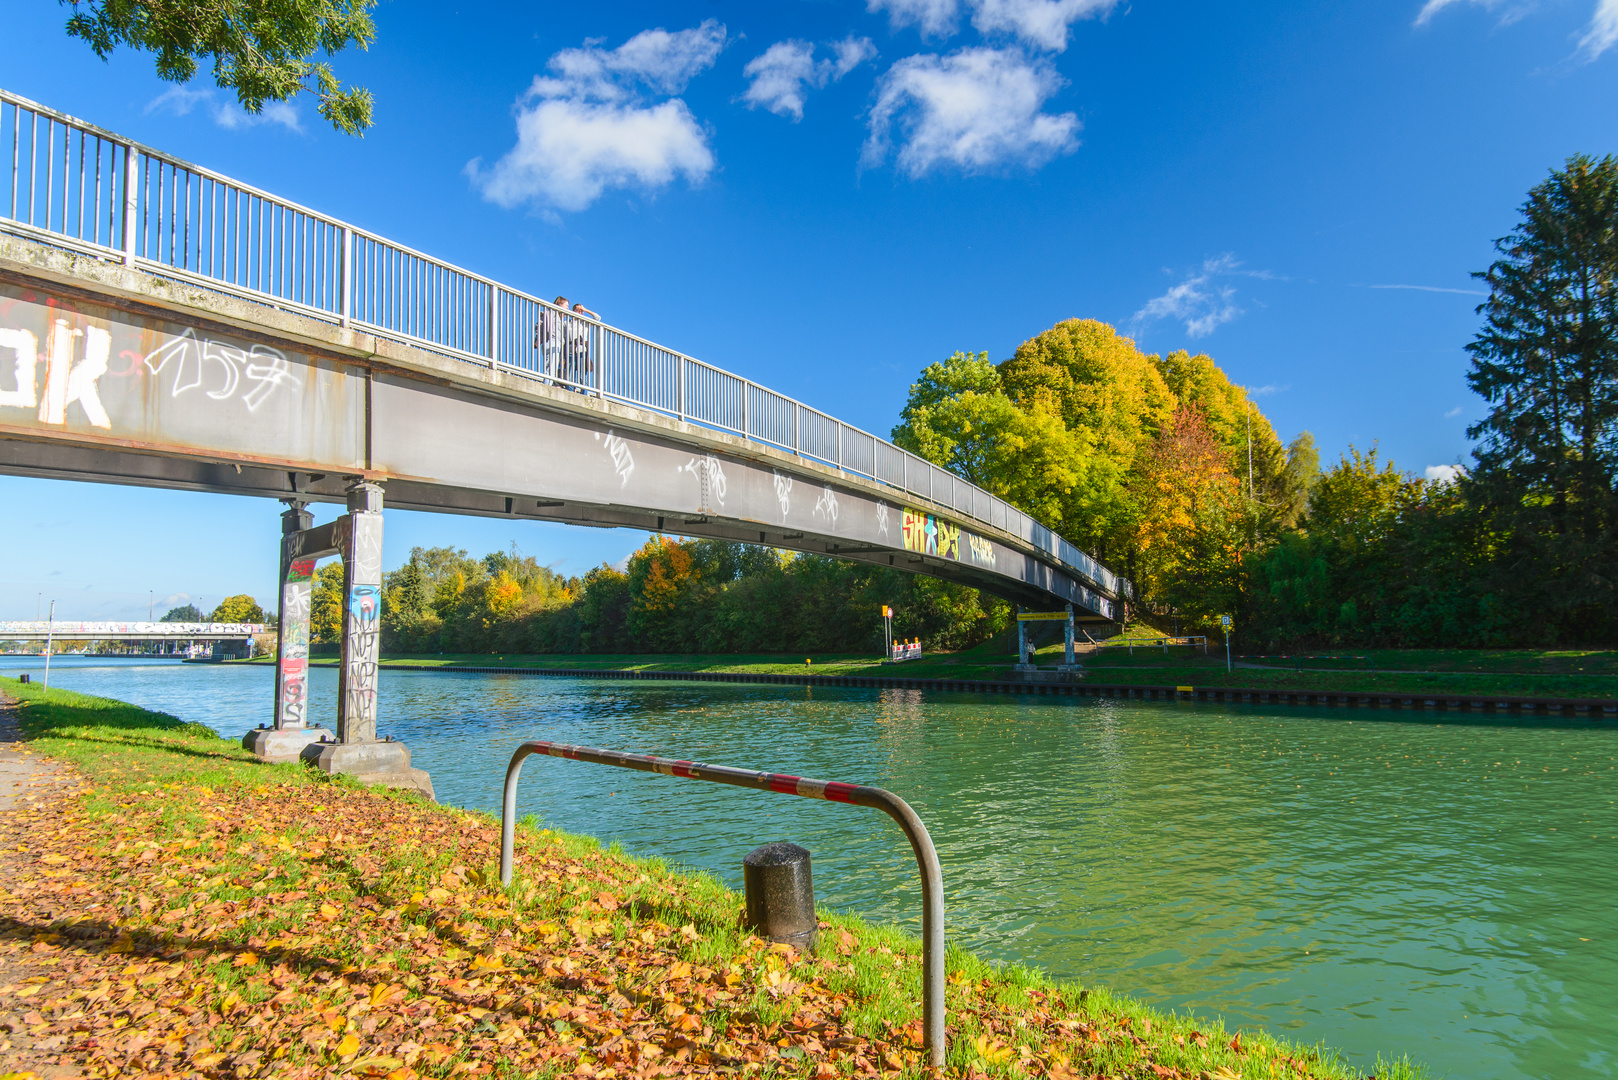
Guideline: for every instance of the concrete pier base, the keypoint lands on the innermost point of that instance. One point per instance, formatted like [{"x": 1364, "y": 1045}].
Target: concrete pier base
[
  {"x": 277, "y": 745},
  {"x": 375, "y": 761}
]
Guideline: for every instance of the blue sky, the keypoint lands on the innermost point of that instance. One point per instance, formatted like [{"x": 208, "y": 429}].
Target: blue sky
[{"x": 827, "y": 195}]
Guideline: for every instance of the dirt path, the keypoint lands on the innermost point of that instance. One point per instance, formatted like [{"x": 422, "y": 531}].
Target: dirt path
[
  {"x": 20, "y": 768},
  {"x": 24, "y": 777}
]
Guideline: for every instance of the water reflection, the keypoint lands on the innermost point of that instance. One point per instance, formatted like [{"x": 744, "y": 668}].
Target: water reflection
[{"x": 1373, "y": 880}]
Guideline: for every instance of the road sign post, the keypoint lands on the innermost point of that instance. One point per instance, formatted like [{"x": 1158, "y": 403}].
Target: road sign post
[{"x": 1224, "y": 622}]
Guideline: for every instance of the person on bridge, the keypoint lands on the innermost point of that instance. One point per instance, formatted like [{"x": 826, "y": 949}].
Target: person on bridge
[
  {"x": 580, "y": 338},
  {"x": 549, "y": 333}
]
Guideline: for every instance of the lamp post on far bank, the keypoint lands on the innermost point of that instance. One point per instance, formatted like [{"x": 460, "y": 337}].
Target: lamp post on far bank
[{"x": 50, "y": 631}]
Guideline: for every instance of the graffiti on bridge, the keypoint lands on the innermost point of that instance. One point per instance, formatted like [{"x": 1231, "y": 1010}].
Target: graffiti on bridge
[
  {"x": 928, "y": 534},
  {"x": 292, "y": 710},
  {"x": 362, "y": 628}
]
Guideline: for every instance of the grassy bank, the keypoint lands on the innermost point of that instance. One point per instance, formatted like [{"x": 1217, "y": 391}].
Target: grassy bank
[
  {"x": 1516, "y": 672},
  {"x": 182, "y": 909}
]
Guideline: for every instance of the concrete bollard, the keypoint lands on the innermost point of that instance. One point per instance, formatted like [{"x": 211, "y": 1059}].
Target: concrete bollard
[{"x": 781, "y": 894}]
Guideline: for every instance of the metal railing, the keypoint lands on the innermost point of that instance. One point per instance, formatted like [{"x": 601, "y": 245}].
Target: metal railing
[
  {"x": 932, "y": 876},
  {"x": 77, "y": 185}
]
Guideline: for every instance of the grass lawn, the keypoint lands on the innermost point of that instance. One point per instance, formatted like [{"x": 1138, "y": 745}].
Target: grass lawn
[
  {"x": 985, "y": 661},
  {"x": 183, "y": 910}
]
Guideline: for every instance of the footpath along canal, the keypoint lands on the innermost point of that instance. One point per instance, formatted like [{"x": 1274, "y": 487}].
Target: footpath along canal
[{"x": 1444, "y": 886}]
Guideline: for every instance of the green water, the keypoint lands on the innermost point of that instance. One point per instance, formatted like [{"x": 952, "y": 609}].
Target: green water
[{"x": 1373, "y": 881}]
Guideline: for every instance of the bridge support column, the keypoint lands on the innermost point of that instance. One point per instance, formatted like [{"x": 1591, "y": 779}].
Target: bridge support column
[
  {"x": 362, "y": 616},
  {"x": 357, "y": 751},
  {"x": 1068, "y": 662},
  {"x": 1022, "y": 645},
  {"x": 290, "y": 731}
]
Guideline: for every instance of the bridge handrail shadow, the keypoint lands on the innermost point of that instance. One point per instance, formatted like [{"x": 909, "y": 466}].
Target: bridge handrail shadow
[{"x": 85, "y": 188}]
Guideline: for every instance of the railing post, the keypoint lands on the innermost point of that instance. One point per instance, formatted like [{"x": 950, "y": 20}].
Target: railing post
[
  {"x": 679, "y": 387},
  {"x": 131, "y": 202},
  {"x": 746, "y": 394},
  {"x": 797, "y": 445},
  {"x": 839, "y": 446},
  {"x": 494, "y": 324},
  {"x": 932, "y": 878},
  {"x": 345, "y": 303}
]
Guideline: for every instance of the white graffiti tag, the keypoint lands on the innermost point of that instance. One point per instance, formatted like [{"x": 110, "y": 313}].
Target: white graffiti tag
[
  {"x": 65, "y": 380},
  {"x": 623, "y": 462},
  {"x": 25, "y": 347},
  {"x": 882, "y": 517},
  {"x": 265, "y": 367},
  {"x": 711, "y": 474},
  {"x": 826, "y": 506},
  {"x": 783, "y": 493}
]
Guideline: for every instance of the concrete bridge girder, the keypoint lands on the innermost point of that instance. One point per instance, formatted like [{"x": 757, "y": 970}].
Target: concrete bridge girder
[{"x": 128, "y": 392}]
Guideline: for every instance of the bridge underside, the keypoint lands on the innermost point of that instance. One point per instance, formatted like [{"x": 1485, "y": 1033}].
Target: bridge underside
[{"x": 21, "y": 457}]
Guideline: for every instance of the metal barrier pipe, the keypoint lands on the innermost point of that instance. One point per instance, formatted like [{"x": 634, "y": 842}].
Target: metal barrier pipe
[{"x": 932, "y": 877}]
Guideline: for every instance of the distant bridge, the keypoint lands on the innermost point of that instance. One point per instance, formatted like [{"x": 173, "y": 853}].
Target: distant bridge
[
  {"x": 164, "y": 325},
  {"x": 129, "y": 631}
]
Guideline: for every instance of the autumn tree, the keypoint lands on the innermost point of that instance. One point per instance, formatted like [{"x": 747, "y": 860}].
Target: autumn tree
[
  {"x": 240, "y": 608},
  {"x": 262, "y": 50},
  {"x": 1187, "y": 535},
  {"x": 960, "y": 417},
  {"x": 326, "y": 604}
]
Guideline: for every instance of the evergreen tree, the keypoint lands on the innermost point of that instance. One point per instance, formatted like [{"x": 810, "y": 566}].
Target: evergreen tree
[
  {"x": 1547, "y": 357},
  {"x": 1547, "y": 362}
]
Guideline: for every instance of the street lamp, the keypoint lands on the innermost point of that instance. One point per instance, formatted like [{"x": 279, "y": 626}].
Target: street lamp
[{"x": 50, "y": 630}]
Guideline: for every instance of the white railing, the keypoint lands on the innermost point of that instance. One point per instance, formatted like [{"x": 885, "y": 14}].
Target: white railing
[{"x": 76, "y": 185}]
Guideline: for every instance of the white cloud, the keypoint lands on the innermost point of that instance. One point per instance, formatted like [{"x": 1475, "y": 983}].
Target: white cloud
[
  {"x": 1603, "y": 31},
  {"x": 1445, "y": 474},
  {"x": 1599, "y": 36},
  {"x": 1432, "y": 288},
  {"x": 851, "y": 52},
  {"x": 1043, "y": 23},
  {"x": 1201, "y": 301},
  {"x": 1453, "y": 413},
  {"x": 663, "y": 61},
  {"x": 1267, "y": 390},
  {"x": 975, "y": 109},
  {"x": 934, "y": 18},
  {"x": 589, "y": 124},
  {"x": 1040, "y": 23},
  {"x": 1433, "y": 7},
  {"x": 783, "y": 74},
  {"x": 183, "y": 100}
]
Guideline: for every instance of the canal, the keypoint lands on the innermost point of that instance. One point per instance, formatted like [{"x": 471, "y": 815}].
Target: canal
[{"x": 1392, "y": 881}]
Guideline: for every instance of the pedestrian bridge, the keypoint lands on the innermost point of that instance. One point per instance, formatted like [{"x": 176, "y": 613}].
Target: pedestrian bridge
[
  {"x": 164, "y": 325},
  {"x": 64, "y": 630}
]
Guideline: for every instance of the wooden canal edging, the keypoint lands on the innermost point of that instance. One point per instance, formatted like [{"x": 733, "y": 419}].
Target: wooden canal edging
[{"x": 1584, "y": 708}]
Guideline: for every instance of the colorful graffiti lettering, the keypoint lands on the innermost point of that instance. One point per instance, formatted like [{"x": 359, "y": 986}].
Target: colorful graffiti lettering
[{"x": 932, "y": 535}]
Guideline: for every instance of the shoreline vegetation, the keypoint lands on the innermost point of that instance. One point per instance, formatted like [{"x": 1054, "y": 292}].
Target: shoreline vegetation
[
  {"x": 177, "y": 907},
  {"x": 1507, "y": 672}
]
